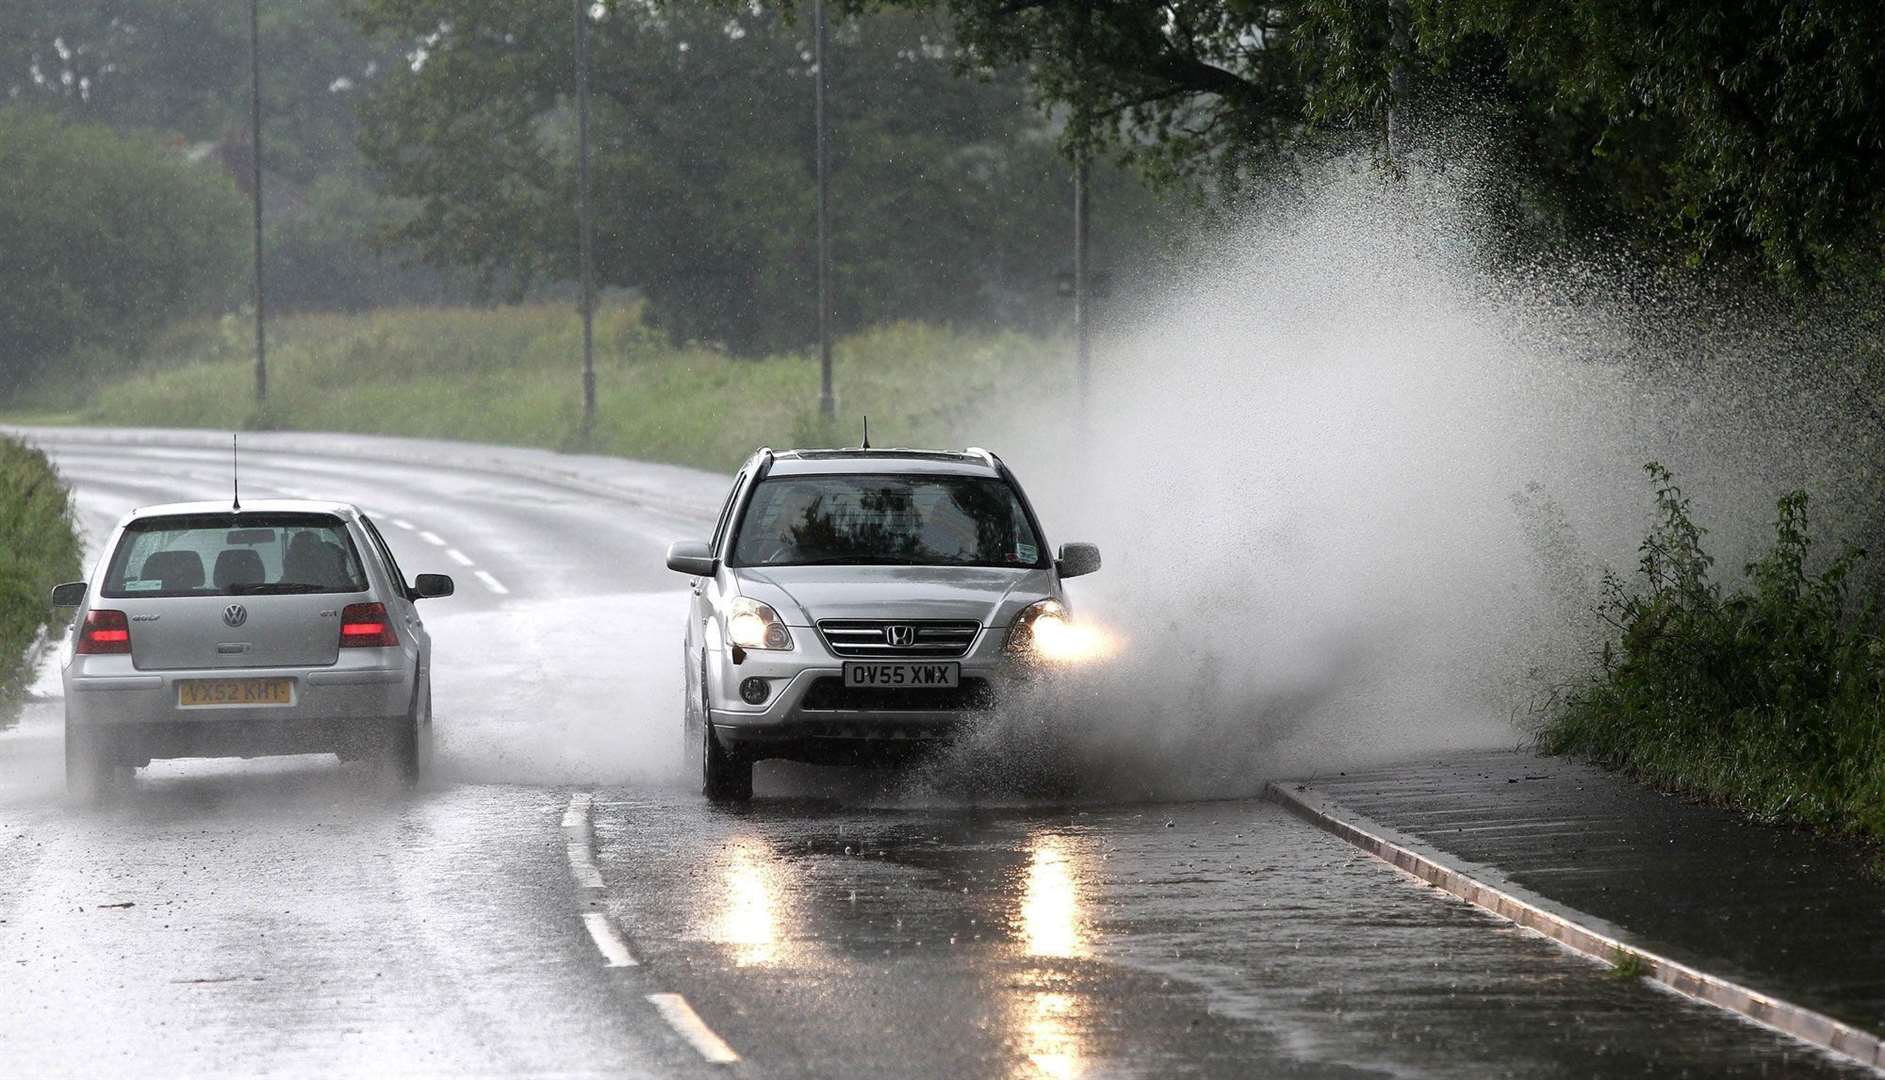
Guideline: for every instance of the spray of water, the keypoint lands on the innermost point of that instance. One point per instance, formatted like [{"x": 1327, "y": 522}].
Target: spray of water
[{"x": 1353, "y": 487}]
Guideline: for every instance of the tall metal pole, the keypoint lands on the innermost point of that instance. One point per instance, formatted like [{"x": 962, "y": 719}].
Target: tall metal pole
[
  {"x": 827, "y": 403},
  {"x": 1082, "y": 302},
  {"x": 585, "y": 223},
  {"x": 255, "y": 178},
  {"x": 1082, "y": 312}
]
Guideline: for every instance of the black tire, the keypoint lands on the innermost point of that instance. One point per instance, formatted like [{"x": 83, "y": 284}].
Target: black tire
[
  {"x": 88, "y": 769},
  {"x": 404, "y": 752},
  {"x": 725, "y": 776}
]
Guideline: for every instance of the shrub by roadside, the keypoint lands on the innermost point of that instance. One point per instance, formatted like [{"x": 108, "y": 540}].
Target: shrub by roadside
[
  {"x": 39, "y": 547},
  {"x": 1769, "y": 697}
]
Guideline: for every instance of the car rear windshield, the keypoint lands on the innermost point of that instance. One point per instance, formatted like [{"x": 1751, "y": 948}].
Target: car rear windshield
[
  {"x": 921, "y": 520},
  {"x": 234, "y": 555}
]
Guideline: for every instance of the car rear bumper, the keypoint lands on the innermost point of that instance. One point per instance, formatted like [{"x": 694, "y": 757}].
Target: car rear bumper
[
  {"x": 137, "y": 744},
  {"x": 111, "y": 695}
]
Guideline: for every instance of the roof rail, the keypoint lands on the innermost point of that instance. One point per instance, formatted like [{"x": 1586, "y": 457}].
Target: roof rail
[{"x": 993, "y": 461}]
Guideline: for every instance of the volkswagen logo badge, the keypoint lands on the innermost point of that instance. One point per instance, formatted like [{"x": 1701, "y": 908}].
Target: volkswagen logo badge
[
  {"x": 235, "y": 615},
  {"x": 901, "y": 637}
]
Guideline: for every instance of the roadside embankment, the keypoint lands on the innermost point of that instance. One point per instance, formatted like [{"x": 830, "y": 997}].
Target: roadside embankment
[
  {"x": 39, "y": 547},
  {"x": 1779, "y": 925},
  {"x": 510, "y": 375}
]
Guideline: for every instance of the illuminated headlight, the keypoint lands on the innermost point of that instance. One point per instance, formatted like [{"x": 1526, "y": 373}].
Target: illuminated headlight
[
  {"x": 1046, "y": 632},
  {"x": 753, "y": 625}
]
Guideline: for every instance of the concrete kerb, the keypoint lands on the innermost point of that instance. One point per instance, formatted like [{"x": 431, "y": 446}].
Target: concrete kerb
[{"x": 1574, "y": 930}]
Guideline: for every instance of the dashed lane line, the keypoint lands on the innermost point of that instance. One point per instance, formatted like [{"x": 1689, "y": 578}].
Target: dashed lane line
[
  {"x": 688, "y": 1025},
  {"x": 579, "y": 839},
  {"x": 608, "y": 942},
  {"x": 490, "y": 582},
  {"x": 576, "y": 842},
  {"x": 402, "y": 523},
  {"x": 432, "y": 538},
  {"x": 458, "y": 556}
]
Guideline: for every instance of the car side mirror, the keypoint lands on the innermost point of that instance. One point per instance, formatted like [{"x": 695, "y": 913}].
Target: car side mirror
[
  {"x": 70, "y": 594},
  {"x": 693, "y": 558},
  {"x": 433, "y": 586},
  {"x": 1077, "y": 559}
]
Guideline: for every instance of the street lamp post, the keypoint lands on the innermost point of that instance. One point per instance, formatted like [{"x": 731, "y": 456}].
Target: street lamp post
[
  {"x": 827, "y": 402},
  {"x": 255, "y": 179},
  {"x": 585, "y": 223}
]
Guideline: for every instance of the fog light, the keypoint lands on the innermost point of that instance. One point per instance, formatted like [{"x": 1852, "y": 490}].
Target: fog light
[{"x": 755, "y": 691}]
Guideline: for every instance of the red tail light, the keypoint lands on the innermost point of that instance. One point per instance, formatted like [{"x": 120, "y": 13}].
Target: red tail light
[
  {"x": 105, "y": 632},
  {"x": 365, "y": 626}
]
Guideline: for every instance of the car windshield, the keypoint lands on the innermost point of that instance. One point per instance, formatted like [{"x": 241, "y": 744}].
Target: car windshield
[
  {"x": 232, "y": 554},
  {"x": 924, "y": 520}
]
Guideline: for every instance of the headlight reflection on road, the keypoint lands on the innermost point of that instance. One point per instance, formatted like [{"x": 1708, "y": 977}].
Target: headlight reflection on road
[
  {"x": 1051, "y": 1039},
  {"x": 749, "y": 908},
  {"x": 1052, "y": 923}
]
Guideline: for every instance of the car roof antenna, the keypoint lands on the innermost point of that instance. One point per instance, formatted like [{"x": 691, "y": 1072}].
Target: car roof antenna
[
  {"x": 867, "y": 434},
  {"x": 235, "y": 475}
]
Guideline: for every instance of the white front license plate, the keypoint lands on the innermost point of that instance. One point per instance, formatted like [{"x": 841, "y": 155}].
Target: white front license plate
[{"x": 903, "y": 676}]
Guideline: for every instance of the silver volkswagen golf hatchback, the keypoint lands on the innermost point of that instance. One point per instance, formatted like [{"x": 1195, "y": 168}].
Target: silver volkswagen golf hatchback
[
  {"x": 281, "y": 627},
  {"x": 858, "y": 605}
]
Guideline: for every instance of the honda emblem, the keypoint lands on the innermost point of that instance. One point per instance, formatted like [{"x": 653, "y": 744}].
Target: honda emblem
[{"x": 901, "y": 637}]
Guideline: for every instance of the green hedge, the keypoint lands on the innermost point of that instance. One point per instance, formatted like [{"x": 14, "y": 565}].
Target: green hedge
[
  {"x": 39, "y": 547},
  {"x": 1768, "y": 696}
]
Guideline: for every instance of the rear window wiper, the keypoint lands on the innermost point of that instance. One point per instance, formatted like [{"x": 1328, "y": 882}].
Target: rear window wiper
[{"x": 259, "y": 588}]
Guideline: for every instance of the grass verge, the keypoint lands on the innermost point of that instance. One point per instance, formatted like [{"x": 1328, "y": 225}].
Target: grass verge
[
  {"x": 1769, "y": 697},
  {"x": 510, "y": 375},
  {"x": 39, "y": 547}
]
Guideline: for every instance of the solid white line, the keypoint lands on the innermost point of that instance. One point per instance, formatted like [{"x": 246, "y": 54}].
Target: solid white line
[
  {"x": 688, "y": 1025},
  {"x": 403, "y": 524},
  {"x": 608, "y": 942},
  {"x": 432, "y": 538},
  {"x": 458, "y": 556},
  {"x": 491, "y": 583}
]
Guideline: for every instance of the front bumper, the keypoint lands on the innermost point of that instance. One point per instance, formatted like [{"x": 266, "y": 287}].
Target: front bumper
[{"x": 809, "y": 715}]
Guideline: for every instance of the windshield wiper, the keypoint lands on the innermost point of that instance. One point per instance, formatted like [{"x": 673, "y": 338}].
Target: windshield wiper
[{"x": 854, "y": 560}]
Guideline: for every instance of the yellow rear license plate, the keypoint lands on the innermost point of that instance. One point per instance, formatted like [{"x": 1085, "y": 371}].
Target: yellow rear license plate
[{"x": 199, "y": 693}]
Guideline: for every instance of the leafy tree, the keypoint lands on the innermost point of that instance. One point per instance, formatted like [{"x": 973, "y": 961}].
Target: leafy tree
[
  {"x": 1722, "y": 133},
  {"x": 103, "y": 238},
  {"x": 948, "y": 201},
  {"x": 182, "y": 67}
]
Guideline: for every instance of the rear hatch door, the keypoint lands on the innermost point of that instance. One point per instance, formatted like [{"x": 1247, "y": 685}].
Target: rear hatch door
[{"x": 180, "y": 632}]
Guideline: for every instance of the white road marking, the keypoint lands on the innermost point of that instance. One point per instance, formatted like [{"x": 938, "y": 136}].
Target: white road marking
[
  {"x": 688, "y": 1025},
  {"x": 608, "y": 942},
  {"x": 402, "y": 523},
  {"x": 432, "y": 538},
  {"x": 458, "y": 556},
  {"x": 576, "y": 841},
  {"x": 491, "y": 583}
]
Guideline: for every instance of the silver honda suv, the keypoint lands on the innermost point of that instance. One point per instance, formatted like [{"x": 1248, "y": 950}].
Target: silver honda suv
[{"x": 857, "y": 605}]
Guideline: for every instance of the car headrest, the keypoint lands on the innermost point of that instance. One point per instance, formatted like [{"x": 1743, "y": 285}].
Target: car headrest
[
  {"x": 174, "y": 570},
  {"x": 239, "y": 566}
]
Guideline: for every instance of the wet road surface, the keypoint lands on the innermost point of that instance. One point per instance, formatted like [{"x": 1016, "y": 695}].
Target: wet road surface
[{"x": 300, "y": 917}]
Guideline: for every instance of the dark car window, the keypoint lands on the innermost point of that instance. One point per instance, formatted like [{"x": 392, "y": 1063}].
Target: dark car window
[
  {"x": 234, "y": 555},
  {"x": 386, "y": 554},
  {"x": 726, "y": 511},
  {"x": 919, "y": 520}
]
